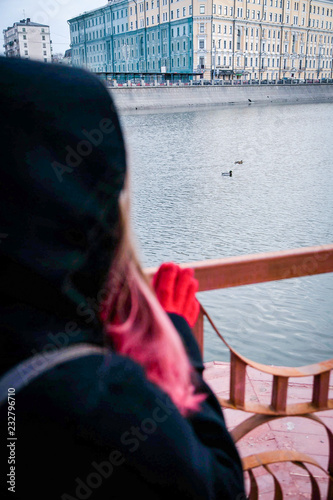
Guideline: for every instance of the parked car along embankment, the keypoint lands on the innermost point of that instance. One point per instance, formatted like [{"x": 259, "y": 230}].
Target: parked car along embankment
[{"x": 149, "y": 97}]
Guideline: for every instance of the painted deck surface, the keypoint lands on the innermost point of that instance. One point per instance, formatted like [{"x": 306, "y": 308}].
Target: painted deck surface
[{"x": 287, "y": 433}]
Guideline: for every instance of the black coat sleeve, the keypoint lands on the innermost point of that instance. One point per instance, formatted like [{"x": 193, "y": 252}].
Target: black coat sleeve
[
  {"x": 210, "y": 419},
  {"x": 192, "y": 458}
]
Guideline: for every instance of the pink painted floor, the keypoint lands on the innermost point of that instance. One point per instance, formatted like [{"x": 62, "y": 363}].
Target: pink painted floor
[{"x": 287, "y": 433}]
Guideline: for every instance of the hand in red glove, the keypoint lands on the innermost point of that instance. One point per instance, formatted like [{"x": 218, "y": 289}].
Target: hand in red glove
[{"x": 175, "y": 289}]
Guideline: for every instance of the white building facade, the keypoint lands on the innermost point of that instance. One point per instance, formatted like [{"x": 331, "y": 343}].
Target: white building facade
[{"x": 28, "y": 40}]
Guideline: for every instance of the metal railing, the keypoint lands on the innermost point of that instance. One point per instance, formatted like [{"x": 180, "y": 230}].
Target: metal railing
[
  {"x": 219, "y": 81},
  {"x": 260, "y": 268},
  {"x": 257, "y": 268}
]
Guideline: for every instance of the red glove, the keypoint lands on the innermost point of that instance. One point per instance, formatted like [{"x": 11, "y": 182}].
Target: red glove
[{"x": 175, "y": 289}]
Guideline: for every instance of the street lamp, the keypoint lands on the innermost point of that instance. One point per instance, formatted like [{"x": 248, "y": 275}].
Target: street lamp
[
  {"x": 214, "y": 59},
  {"x": 126, "y": 52}
]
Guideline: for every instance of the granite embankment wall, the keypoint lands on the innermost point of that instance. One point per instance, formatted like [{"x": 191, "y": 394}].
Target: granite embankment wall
[{"x": 141, "y": 98}]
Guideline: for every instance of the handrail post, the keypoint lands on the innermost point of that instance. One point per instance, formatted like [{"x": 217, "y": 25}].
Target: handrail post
[
  {"x": 320, "y": 389},
  {"x": 198, "y": 331},
  {"x": 279, "y": 393},
  {"x": 237, "y": 380}
]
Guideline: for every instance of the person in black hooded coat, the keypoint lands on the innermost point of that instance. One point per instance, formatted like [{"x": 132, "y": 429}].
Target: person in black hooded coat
[{"x": 96, "y": 426}]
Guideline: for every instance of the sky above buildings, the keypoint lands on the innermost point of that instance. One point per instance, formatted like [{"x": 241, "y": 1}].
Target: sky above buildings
[{"x": 54, "y": 13}]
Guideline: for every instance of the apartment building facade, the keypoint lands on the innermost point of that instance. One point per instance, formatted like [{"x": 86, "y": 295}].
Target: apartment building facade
[
  {"x": 28, "y": 40},
  {"x": 243, "y": 39}
]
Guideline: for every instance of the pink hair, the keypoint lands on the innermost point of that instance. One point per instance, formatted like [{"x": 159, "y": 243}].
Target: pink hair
[{"x": 138, "y": 327}]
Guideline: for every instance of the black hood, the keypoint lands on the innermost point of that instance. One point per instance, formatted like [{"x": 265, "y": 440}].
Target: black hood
[{"x": 62, "y": 168}]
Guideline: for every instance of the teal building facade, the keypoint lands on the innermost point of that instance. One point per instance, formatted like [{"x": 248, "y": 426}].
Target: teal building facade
[{"x": 112, "y": 39}]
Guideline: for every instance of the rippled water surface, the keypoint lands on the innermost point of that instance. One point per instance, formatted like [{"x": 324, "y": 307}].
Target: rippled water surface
[{"x": 281, "y": 197}]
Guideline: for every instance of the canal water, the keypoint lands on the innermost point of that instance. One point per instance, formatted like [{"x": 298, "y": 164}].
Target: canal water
[{"x": 280, "y": 198}]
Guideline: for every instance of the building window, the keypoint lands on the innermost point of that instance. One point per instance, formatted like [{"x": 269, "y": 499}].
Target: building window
[
  {"x": 24, "y": 37},
  {"x": 238, "y": 39},
  {"x": 202, "y": 9},
  {"x": 202, "y": 28},
  {"x": 201, "y": 44}
]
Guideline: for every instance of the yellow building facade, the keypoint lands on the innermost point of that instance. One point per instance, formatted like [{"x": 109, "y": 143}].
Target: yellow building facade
[
  {"x": 272, "y": 39},
  {"x": 224, "y": 39},
  {"x": 264, "y": 39}
]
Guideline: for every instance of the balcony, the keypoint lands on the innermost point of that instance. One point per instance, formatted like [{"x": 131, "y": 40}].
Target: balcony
[{"x": 296, "y": 393}]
